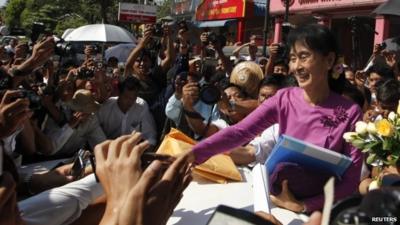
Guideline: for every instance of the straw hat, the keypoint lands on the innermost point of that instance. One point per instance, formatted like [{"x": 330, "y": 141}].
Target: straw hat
[
  {"x": 83, "y": 101},
  {"x": 248, "y": 76}
]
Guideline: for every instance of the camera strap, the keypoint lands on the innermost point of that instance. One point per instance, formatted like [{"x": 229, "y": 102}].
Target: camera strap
[{"x": 208, "y": 122}]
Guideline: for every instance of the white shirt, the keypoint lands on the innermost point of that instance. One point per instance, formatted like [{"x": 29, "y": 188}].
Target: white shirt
[
  {"x": 116, "y": 123},
  {"x": 61, "y": 205},
  {"x": 67, "y": 140},
  {"x": 265, "y": 142}
]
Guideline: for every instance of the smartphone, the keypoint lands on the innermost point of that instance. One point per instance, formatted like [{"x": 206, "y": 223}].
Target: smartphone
[
  {"x": 225, "y": 215},
  {"x": 79, "y": 164},
  {"x": 148, "y": 157}
]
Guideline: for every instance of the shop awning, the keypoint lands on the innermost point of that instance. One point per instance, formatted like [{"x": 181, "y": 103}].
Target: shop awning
[{"x": 214, "y": 23}]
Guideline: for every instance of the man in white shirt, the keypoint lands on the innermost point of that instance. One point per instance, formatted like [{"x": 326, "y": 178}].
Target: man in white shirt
[
  {"x": 123, "y": 114},
  {"x": 82, "y": 127}
]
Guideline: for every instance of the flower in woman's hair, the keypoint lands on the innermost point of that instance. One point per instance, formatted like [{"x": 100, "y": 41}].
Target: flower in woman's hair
[
  {"x": 392, "y": 116},
  {"x": 384, "y": 128},
  {"x": 361, "y": 127},
  {"x": 349, "y": 136},
  {"x": 371, "y": 128}
]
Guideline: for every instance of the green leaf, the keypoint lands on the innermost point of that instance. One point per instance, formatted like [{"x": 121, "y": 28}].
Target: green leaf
[{"x": 371, "y": 158}]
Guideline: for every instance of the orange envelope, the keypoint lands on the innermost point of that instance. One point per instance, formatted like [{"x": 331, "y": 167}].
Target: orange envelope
[{"x": 219, "y": 168}]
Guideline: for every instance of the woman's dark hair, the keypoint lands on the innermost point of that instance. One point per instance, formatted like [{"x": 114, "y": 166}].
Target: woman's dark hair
[
  {"x": 130, "y": 83},
  {"x": 388, "y": 94},
  {"x": 319, "y": 39}
]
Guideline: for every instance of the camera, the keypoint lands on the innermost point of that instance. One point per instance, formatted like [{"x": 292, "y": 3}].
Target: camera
[
  {"x": 183, "y": 25},
  {"x": 37, "y": 30},
  {"x": 209, "y": 94},
  {"x": 158, "y": 30},
  {"x": 85, "y": 73},
  {"x": 182, "y": 65},
  {"x": 63, "y": 48},
  {"x": 382, "y": 46},
  {"x": 35, "y": 101},
  {"x": 214, "y": 38}
]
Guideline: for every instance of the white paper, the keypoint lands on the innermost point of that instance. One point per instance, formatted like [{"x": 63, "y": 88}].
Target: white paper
[
  {"x": 261, "y": 189},
  {"x": 329, "y": 194}
]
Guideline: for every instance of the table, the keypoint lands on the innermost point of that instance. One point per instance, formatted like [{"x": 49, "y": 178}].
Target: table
[{"x": 202, "y": 197}]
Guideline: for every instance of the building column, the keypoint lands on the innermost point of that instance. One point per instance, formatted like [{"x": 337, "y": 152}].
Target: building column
[
  {"x": 240, "y": 30},
  {"x": 382, "y": 27},
  {"x": 278, "y": 29}
]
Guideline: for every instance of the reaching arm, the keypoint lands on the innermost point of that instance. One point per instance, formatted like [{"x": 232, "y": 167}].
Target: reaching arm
[
  {"x": 238, "y": 49},
  {"x": 136, "y": 51},
  {"x": 169, "y": 58}
]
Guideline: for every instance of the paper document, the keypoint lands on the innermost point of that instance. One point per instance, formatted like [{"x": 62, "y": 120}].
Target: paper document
[
  {"x": 329, "y": 195},
  {"x": 261, "y": 189}
]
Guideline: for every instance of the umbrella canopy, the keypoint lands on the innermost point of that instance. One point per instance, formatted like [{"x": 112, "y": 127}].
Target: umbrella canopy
[
  {"x": 392, "y": 44},
  {"x": 100, "y": 33},
  {"x": 391, "y": 7},
  {"x": 121, "y": 52}
]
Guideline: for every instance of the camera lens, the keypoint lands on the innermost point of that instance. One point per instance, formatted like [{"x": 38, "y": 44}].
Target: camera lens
[{"x": 210, "y": 94}]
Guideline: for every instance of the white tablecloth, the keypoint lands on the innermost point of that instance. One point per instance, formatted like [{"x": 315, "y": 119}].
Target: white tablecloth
[{"x": 201, "y": 198}]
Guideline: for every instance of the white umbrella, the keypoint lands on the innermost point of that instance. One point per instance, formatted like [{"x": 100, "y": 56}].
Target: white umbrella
[
  {"x": 101, "y": 33},
  {"x": 121, "y": 52}
]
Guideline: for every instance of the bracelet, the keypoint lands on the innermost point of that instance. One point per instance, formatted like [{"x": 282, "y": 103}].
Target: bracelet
[{"x": 194, "y": 115}]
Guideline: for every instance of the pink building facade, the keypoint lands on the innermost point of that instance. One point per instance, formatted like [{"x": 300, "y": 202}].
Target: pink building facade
[{"x": 336, "y": 14}]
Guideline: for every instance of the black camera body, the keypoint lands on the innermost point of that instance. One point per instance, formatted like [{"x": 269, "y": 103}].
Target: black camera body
[
  {"x": 183, "y": 25},
  {"x": 85, "y": 73},
  {"x": 214, "y": 38},
  {"x": 158, "y": 30},
  {"x": 35, "y": 101},
  {"x": 209, "y": 94},
  {"x": 382, "y": 46},
  {"x": 63, "y": 48}
]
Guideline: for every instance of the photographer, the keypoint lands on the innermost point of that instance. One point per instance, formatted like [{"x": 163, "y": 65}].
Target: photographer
[
  {"x": 275, "y": 52},
  {"x": 217, "y": 43},
  {"x": 82, "y": 127},
  {"x": 252, "y": 50}
]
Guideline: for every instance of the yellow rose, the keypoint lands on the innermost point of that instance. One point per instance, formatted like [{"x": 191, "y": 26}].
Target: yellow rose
[{"x": 384, "y": 128}]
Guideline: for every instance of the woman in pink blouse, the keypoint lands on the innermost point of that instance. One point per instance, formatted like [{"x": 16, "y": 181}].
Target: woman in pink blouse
[{"x": 314, "y": 112}]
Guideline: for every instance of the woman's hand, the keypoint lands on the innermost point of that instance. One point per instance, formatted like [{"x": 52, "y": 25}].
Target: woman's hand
[{"x": 286, "y": 199}]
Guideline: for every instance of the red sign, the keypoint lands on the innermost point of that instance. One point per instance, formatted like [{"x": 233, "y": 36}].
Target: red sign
[
  {"x": 136, "y": 13},
  {"x": 220, "y": 9}
]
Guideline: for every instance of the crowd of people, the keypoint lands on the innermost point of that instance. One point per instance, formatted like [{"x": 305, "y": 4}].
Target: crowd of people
[{"x": 238, "y": 105}]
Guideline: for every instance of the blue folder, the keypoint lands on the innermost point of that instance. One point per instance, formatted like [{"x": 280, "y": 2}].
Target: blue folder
[{"x": 289, "y": 149}]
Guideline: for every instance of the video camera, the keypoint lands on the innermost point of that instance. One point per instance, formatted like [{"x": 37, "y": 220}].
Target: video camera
[
  {"x": 85, "y": 73},
  {"x": 214, "y": 38},
  {"x": 38, "y": 32},
  {"x": 35, "y": 101}
]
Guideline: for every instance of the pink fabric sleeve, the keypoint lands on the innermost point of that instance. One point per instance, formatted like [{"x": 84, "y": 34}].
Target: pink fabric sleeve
[
  {"x": 264, "y": 116},
  {"x": 350, "y": 180}
]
